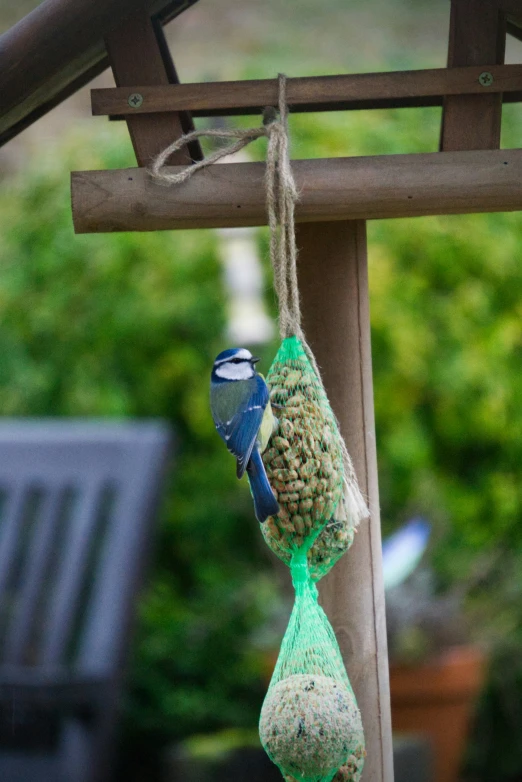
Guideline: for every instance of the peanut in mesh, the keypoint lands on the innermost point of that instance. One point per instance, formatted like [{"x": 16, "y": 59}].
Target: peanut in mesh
[
  {"x": 304, "y": 456},
  {"x": 304, "y": 466}
]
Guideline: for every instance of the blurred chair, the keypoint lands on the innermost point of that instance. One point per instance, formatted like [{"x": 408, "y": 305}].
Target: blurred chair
[{"x": 77, "y": 502}]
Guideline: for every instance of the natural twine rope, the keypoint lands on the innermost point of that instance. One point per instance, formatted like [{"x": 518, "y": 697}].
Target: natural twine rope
[{"x": 281, "y": 199}]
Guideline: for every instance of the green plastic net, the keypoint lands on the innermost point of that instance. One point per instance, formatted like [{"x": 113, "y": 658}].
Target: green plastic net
[
  {"x": 304, "y": 464},
  {"x": 310, "y": 724}
]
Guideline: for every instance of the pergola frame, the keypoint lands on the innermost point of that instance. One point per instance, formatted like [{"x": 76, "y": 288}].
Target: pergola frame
[{"x": 469, "y": 174}]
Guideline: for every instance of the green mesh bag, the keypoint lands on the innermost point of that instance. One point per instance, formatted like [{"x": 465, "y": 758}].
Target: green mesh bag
[
  {"x": 304, "y": 464},
  {"x": 310, "y": 724}
]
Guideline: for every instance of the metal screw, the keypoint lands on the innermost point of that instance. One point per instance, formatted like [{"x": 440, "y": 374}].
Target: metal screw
[
  {"x": 486, "y": 79},
  {"x": 135, "y": 100}
]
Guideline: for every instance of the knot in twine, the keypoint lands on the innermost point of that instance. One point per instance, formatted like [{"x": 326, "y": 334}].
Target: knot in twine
[{"x": 281, "y": 197}]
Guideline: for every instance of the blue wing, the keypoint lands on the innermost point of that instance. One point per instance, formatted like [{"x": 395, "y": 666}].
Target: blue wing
[{"x": 240, "y": 431}]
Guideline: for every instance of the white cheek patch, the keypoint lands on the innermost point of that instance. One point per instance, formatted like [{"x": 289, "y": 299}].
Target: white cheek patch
[{"x": 231, "y": 371}]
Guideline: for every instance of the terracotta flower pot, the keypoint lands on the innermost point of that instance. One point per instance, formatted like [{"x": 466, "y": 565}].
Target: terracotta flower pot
[{"x": 437, "y": 699}]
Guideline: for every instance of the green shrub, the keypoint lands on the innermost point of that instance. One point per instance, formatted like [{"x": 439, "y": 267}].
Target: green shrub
[{"x": 128, "y": 325}]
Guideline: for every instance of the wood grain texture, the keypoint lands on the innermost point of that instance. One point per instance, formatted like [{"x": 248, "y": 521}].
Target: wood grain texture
[
  {"x": 317, "y": 93},
  {"x": 58, "y": 48},
  {"x": 477, "y": 37},
  {"x": 333, "y": 284},
  {"x": 233, "y": 194},
  {"x": 135, "y": 55}
]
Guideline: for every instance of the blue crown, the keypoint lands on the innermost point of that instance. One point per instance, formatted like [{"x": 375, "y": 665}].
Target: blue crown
[{"x": 227, "y": 353}]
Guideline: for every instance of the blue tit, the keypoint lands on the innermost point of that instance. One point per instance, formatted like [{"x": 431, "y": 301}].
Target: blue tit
[{"x": 239, "y": 402}]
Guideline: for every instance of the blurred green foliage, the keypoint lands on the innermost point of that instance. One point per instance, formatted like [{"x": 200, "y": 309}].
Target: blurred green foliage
[{"x": 128, "y": 325}]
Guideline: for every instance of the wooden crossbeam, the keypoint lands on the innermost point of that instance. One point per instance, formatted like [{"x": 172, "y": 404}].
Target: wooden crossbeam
[
  {"x": 316, "y": 93},
  {"x": 334, "y": 189}
]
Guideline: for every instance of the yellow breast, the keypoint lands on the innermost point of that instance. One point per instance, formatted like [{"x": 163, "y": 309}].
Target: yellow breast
[{"x": 267, "y": 428}]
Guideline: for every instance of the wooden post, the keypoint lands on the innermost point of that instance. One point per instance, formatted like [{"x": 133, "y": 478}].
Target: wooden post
[
  {"x": 477, "y": 37},
  {"x": 333, "y": 283},
  {"x": 139, "y": 56}
]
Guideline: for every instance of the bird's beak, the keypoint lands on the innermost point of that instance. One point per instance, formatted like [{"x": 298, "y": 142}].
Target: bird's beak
[{"x": 254, "y": 359}]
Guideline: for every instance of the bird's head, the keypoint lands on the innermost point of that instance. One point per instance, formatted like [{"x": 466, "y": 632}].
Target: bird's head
[{"x": 234, "y": 364}]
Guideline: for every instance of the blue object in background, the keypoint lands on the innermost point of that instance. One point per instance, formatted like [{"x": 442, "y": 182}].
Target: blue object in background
[{"x": 402, "y": 551}]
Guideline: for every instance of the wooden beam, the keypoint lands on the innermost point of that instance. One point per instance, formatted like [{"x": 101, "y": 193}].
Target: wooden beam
[
  {"x": 56, "y": 49},
  {"x": 233, "y": 194},
  {"x": 317, "y": 93},
  {"x": 136, "y": 54},
  {"x": 477, "y": 37},
  {"x": 513, "y": 11},
  {"x": 187, "y": 125},
  {"x": 333, "y": 285}
]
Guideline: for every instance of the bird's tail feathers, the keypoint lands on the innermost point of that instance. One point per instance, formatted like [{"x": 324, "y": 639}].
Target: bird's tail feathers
[{"x": 265, "y": 504}]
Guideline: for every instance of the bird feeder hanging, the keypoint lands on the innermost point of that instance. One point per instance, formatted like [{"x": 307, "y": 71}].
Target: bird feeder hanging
[{"x": 310, "y": 724}]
